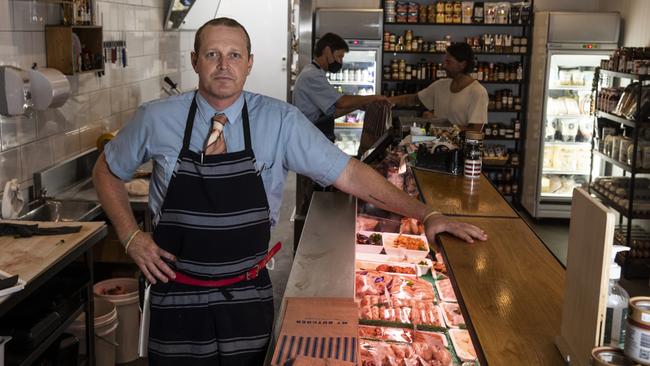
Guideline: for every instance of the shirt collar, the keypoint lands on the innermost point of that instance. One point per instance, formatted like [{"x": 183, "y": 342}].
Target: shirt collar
[{"x": 233, "y": 112}]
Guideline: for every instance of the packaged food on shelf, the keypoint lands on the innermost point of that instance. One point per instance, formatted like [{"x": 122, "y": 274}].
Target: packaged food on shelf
[
  {"x": 446, "y": 291},
  {"x": 386, "y": 334},
  {"x": 387, "y": 267},
  {"x": 452, "y": 314},
  {"x": 414, "y": 246},
  {"x": 381, "y": 353},
  {"x": 462, "y": 344}
]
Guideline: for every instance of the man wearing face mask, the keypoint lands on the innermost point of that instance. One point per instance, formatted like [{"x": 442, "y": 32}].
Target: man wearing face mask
[{"x": 315, "y": 97}]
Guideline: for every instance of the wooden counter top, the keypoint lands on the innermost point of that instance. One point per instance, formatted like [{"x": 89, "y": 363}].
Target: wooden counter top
[
  {"x": 512, "y": 289},
  {"x": 453, "y": 195},
  {"x": 30, "y": 257}
]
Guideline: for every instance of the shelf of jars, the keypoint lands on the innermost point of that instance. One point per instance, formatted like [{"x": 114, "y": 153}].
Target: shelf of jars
[
  {"x": 429, "y": 81},
  {"x": 457, "y": 13},
  {"x": 615, "y": 118}
]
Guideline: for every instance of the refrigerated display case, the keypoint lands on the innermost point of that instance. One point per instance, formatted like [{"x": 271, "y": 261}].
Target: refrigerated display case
[{"x": 559, "y": 135}]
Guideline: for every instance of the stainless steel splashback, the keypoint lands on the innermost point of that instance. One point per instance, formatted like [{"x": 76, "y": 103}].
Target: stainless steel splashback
[
  {"x": 58, "y": 178},
  {"x": 349, "y": 23}
]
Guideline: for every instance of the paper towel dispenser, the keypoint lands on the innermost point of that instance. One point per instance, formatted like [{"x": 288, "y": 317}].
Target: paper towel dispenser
[
  {"x": 39, "y": 88},
  {"x": 13, "y": 91}
]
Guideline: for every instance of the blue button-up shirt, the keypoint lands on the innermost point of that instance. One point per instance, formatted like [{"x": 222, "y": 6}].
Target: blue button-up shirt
[
  {"x": 282, "y": 138},
  {"x": 313, "y": 94}
]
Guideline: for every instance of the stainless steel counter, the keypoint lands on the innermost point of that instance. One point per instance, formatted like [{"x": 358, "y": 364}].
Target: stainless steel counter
[{"x": 324, "y": 262}]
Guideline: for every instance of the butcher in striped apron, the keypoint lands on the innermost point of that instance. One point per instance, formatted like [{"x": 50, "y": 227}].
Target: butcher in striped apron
[{"x": 219, "y": 309}]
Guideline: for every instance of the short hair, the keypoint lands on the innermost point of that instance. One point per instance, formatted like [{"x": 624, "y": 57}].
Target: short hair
[
  {"x": 461, "y": 51},
  {"x": 331, "y": 40},
  {"x": 226, "y": 22}
]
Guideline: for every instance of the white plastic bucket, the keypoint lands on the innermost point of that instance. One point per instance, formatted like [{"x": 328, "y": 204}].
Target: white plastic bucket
[
  {"x": 105, "y": 326},
  {"x": 128, "y": 315}
]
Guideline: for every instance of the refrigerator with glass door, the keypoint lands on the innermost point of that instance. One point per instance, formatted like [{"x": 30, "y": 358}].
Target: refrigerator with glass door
[
  {"x": 567, "y": 48},
  {"x": 361, "y": 29}
]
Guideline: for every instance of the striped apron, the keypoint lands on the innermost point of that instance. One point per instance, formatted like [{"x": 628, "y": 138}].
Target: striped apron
[{"x": 215, "y": 219}]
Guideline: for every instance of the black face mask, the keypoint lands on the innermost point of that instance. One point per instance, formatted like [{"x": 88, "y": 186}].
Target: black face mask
[{"x": 334, "y": 67}]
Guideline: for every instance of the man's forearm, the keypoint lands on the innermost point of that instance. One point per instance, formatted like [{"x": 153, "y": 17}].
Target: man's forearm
[
  {"x": 349, "y": 103},
  {"x": 114, "y": 199},
  {"x": 364, "y": 182},
  {"x": 405, "y": 100}
]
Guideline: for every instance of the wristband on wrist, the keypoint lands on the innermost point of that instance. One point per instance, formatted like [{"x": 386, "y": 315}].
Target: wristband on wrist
[
  {"x": 130, "y": 240},
  {"x": 430, "y": 215}
]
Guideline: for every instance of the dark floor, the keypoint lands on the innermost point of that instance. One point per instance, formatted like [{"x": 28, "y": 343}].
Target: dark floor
[{"x": 553, "y": 232}]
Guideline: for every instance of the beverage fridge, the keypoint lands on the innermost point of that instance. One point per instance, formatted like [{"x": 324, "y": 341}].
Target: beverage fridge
[
  {"x": 362, "y": 30},
  {"x": 567, "y": 48}
]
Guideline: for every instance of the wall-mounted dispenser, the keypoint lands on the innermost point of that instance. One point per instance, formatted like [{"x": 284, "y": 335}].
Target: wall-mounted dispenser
[
  {"x": 40, "y": 88},
  {"x": 49, "y": 88},
  {"x": 12, "y": 90}
]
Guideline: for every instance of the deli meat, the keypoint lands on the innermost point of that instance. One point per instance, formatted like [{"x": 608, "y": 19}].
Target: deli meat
[
  {"x": 453, "y": 316},
  {"x": 375, "y": 353},
  {"x": 386, "y": 333},
  {"x": 445, "y": 290}
]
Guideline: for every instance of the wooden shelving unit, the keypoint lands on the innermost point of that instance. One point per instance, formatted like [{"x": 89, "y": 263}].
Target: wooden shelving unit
[{"x": 60, "y": 51}]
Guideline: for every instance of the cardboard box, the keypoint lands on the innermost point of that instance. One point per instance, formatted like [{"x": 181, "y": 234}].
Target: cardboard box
[{"x": 318, "y": 331}]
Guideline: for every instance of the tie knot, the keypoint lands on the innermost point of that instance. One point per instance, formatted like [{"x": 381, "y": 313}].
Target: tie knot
[{"x": 221, "y": 118}]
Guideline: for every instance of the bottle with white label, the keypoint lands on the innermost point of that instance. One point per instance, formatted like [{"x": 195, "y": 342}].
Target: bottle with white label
[{"x": 616, "y": 312}]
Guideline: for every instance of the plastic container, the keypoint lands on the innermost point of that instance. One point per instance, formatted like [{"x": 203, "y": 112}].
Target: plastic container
[
  {"x": 394, "y": 250},
  {"x": 369, "y": 248},
  {"x": 128, "y": 314},
  {"x": 106, "y": 324}
]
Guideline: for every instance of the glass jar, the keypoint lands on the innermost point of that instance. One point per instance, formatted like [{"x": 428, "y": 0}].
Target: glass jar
[{"x": 473, "y": 160}]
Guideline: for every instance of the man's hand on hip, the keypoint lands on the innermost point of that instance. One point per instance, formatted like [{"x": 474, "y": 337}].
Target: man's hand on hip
[{"x": 148, "y": 256}]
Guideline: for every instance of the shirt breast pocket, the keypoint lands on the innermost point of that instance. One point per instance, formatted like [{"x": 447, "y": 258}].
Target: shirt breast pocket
[{"x": 263, "y": 167}]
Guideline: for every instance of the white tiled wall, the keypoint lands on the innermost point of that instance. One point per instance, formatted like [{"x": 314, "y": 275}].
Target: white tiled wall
[{"x": 97, "y": 104}]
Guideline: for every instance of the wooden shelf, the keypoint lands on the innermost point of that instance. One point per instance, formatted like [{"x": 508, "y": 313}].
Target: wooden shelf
[{"x": 59, "y": 46}]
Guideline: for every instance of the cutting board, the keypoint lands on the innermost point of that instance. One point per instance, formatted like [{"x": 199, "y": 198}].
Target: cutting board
[
  {"x": 29, "y": 257},
  {"x": 591, "y": 235}
]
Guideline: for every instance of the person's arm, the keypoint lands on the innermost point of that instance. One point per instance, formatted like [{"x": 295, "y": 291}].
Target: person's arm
[
  {"x": 115, "y": 202},
  {"x": 348, "y": 103},
  {"x": 405, "y": 100},
  {"x": 364, "y": 182}
]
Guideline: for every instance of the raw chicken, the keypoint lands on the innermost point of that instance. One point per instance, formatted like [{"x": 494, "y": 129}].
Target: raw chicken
[
  {"x": 453, "y": 316},
  {"x": 445, "y": 290}
]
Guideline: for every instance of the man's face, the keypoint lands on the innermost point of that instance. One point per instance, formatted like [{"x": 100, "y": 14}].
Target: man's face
[
  {"x": 452, "y": 66},
  {"x": 223, "y": 62},
  {"x": 334, "y": 56}
]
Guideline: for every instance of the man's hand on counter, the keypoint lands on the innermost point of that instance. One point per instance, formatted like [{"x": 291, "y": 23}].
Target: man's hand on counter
[
  {"x": 439, "y": 223},
  {"x": 149, "y": 257}
]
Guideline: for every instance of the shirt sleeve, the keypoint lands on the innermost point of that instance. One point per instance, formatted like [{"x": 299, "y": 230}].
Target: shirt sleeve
[
  {"x": 130, "y": 148},
  {"x": 427, "y": 96},
  {"x": 322, "y": 93},
  {"x": 478, "y": 113},
  {"x": 309, "y": 152}
]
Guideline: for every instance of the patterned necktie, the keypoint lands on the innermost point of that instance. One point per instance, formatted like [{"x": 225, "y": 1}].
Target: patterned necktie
[{"x": 216, "y": 143}]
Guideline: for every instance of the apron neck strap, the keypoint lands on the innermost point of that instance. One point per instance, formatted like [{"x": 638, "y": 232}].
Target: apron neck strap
[{"x": 189, "y": 124}]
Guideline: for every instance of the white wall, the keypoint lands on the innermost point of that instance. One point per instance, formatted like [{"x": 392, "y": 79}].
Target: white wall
[
  {"x": 566, "y": 5},
  {"x": 636, "y": 24},
  {"x": 97, "y": 104},
  {"x": 267, "y": 23}
]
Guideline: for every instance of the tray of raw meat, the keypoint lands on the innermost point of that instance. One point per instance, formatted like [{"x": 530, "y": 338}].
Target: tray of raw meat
[
  {"x": 452, "y": 315},
  {"x": 445, "y": 291},
  {"x": 463, "y": 344}
]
